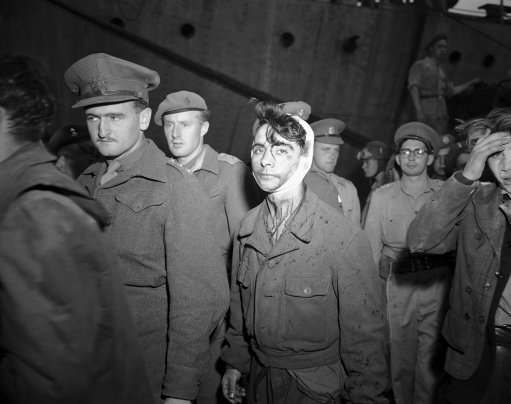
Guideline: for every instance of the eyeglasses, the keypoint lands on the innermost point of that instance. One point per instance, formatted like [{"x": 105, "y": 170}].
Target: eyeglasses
[{"x": 416, "y": 152}]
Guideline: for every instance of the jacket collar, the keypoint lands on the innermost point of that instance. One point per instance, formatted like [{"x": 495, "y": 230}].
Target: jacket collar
[
  {"x": 298, "y": 229},
  {"x": 429, "y": 186},
  {"x": 207, "y": 160},
  {"x": 33, "y": 167},
  {"x": 210, "y": 161},
  {"x": 151, "y": 164},
  {"x": 34, "y": 163}
]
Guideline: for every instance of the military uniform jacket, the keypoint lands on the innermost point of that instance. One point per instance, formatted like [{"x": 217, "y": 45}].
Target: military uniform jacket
[
  {"x": 173, "y": 268},
  {"x": 309, "y": 300},
  {"x": 468, "y": 219},
  {"x": 66, "y": 333},
  {"x": 336, "y": 191},
  {"x": 230, "y": 188},
  {"x": 390, "y": 213}
]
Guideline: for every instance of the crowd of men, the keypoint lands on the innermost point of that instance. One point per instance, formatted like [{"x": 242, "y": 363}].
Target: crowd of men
[{"x": 131, "y": 276}]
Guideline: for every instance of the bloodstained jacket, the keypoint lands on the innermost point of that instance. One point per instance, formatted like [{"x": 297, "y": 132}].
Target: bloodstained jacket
[{"x": 310, "y": 300}]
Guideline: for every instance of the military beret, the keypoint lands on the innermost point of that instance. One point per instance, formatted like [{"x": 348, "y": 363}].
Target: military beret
[
  {"x": 419, "y": 131},
  {"x": 375, "y": 150},
  {"x": 179, "y": 101},
  {"x": 328, "y": 131},
  {"x": 300, "y": 108},
  {"x": 100, "y": 79},
  {"x": 68, "y": 134}
]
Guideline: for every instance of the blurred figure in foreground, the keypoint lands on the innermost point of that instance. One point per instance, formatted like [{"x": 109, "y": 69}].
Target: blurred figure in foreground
[{"x": 66, "y": 335}]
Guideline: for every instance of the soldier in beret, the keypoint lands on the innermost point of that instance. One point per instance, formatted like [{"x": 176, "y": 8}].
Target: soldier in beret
[
  {"x": 174, "y": 273},
  {"x": 184, "y": 116},
  {"x": 67, "y": 333},
  {"x": 415, "y": 300},
  {"x": 332, "y": 189}
]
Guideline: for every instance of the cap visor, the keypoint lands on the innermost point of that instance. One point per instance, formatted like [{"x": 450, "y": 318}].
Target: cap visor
[
  {"x": 329, "y": 140},
  {"x": 106, "y": 99}
]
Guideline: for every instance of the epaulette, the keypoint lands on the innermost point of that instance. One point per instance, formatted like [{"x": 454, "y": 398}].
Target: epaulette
[
  {"x": 387, "y": 185},
  {"x": 384, "y": 187},
  {"x": 228, "y": 158}
]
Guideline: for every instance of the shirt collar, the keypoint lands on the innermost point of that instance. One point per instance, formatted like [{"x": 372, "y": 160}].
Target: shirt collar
[
  {"x": 128, "y": 160},
  {"x": 300, "y": 225},
  {"x": 429, "y": 187},
  {"x": 147, "y": 161},
  {"x": 205, "y": 160}
]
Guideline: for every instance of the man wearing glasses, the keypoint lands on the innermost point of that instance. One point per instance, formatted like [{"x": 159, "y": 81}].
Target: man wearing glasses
[{"x": 414, "y": 298}]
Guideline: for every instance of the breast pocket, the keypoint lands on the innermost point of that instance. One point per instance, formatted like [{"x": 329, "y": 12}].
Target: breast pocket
[
  {"x": 306, "y": 307},
  {"x": 139, "y": 225},
  {"x": 138, "y": 202}
]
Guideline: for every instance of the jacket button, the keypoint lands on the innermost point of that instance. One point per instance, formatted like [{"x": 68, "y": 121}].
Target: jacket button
[
  {"x": 466, "y": 316},
  {"x": 307, "y": 291},
  {"x": 468, "y": 289},
  {"x": 481, "y": 319},
  {"x": 478, "y": 235}
]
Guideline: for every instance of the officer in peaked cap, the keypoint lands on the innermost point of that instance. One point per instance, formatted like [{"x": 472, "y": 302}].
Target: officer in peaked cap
[
  {"x": 159, "y": 215},
  {"x": 328, "y": 131},
  {"x": 321, "y": 179},
  {"x": 419, "y": 131},
  {"x": 100, "y": 78},
  {"x": 300, "y": 108}
]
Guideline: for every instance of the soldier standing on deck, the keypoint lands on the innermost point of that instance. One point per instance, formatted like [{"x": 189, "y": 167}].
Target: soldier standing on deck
[
  {"x": 174, "y": 274},
  {"x": 415, "y": 299},
  {"x": 332, "y": 189}
]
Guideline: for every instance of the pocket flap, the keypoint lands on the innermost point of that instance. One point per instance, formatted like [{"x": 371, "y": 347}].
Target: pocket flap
[
  {"x": 306, "y": 287},
  {"x": 140, "y": 201}
]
